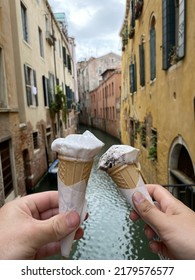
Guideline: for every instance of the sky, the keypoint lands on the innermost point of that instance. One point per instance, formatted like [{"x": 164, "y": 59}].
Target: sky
[{"x": 95, "y": 25}]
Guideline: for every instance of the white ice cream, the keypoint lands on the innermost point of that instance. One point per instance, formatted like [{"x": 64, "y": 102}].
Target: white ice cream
[
  {"x": 118, "y": 154},
  {"x": 124, "y": 154},
  {"x": 82, "y": 147},
  {"x": 78, "y": 146}
]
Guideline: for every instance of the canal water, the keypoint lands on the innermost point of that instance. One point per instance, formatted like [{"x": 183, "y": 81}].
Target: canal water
[{"x": 109, "y": 234}]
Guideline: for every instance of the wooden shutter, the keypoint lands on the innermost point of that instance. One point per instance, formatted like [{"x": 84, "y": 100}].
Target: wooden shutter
[
  {"x": 135, "y": 75},
  {"x": 45, "y": 90},
  {"x": 64, "y": 55},
  {"x": 131, "y": 71},
  {"x": 132, "y": 78},
  {"x": 132, "y": 13},
  {"x": 142, "y": 65},
  {"x": 152, "y": 53},
  {"x": 168, "y": 31},
  {"x": 27, "y": 83}
]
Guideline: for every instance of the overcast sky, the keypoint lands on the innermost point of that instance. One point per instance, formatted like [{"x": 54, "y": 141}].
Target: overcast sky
[{"x": 95, "y": 24}]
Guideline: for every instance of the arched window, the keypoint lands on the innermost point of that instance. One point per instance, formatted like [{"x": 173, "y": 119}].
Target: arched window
[{"x": 152, "y": 49}]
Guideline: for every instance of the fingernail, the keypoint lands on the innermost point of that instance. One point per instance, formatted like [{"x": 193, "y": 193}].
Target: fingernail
[
  {"x": 138, "y": 197},
  {"x": 72, "y": 219},
  {"x": 152, "y": 246}
]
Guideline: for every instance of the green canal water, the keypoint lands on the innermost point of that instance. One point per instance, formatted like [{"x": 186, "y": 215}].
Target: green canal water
[{"x": 109, "y": 234}]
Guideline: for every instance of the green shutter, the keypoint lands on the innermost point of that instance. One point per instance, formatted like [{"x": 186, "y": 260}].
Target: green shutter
[
  {"x": 135, "y": 75},
  {"x": 131, "y": 78},
  {"x": 132, "y": 13},
  {"x": 152, "y": 54},
  {"x": 27, "y": 82},
  {"x": 168, "y": 31},
  {"x": 142, "y": 65},
  {"x": 64, "y": 55},
  {"x": 44, "y": 82}
]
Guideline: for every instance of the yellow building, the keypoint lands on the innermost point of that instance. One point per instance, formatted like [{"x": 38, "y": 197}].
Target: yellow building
[{"x": 158, "y": 98}]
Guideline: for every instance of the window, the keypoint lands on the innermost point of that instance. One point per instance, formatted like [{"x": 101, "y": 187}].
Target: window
[
  {"x": 31, "y": 86},
  {"x": 173, "y": 18},
  {"x": 133, "y": 77},
  {"x": 64, "y": 55},
  {"x": 152, "y": 49},
  {"x": 51, "y": 86},
  {"x": 60, "y": 49},
  {"x": 132, "y": 19},
  {"x": 3, "y": 95},
  {"x": 5, "y": 165},
  {"x": 47, "y": 24},
  {"x": 24, "y": 22},
  {"x": 142, "y": 65},
  {"x": 41, "y": 42},
  {"x": 112, "y": 88},
  {"x": 47, "y": 97},
  {"x": 69, "y": 64},
  {"x": 35, "y": 140}
]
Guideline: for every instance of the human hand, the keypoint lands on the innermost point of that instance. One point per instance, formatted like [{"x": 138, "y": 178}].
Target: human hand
[
  {"x": 31, "y": 227},
  {"x": 174, "y": 223}
]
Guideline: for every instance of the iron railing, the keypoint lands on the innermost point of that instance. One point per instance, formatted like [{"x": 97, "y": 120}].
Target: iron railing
[{"x": 184, "y": 192}]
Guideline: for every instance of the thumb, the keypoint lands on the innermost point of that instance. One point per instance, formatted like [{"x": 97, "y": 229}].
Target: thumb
[
  {"x": 58, "y": 227},
  {"x": 148, "y": 211}
]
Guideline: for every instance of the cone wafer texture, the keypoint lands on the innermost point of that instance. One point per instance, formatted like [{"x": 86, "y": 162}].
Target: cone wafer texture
[
  {"x": 72, "y": 171},
  {"x": 125, "y": 176}
]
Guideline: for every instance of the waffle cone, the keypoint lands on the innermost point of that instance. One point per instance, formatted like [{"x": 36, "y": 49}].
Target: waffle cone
[
  {"x": 126, "y": 176},
  {"x": 72, "y": 171}
]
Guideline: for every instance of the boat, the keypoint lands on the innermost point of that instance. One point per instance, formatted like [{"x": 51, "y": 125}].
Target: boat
[{"x": 53, "y": 170}]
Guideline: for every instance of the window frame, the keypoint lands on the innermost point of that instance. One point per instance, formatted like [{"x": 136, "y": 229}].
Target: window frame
[
  {"x": 24, "y": 18},
  {"x": 41, "y": 47},
  {"x": 31, "y": 86}
]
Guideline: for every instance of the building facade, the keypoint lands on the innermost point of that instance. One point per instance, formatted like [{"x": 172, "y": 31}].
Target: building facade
[
  {"x": 105, "y": 103},
  {"x": 10, "y": 160},
  {"x": 37, "y": 90},
  {"x": 158, "y": 99},
  {"x": 89, "y": 75}
]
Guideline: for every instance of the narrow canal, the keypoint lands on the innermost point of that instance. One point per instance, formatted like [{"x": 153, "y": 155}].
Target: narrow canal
[{"x": 109, "y": 233}]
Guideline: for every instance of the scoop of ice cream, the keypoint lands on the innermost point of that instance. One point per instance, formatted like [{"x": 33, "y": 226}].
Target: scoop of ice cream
[
  {"x": 79, "y": 146},
  {"x": 118, "y": 154}
]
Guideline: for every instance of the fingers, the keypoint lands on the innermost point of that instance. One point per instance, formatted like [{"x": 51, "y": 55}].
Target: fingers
[
  {"x": 40, "y": 202},
  {"x": 161, "y": 195},
  {"x": 54, "y": 248},
  {"x": 158, "y": 247},
  {"x": 150, "y": 234},
  {"x": 57, "y": 227},
  {"x": 148, "y": 212}
]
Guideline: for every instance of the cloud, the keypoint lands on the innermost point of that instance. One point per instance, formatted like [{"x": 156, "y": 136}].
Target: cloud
[{"x": 95, "y": 24}]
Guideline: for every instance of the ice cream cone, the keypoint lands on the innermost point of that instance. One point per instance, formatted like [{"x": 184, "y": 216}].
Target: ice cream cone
[
  {"x": 72, "y": 171},
  {"x": 125, "y": 176}
]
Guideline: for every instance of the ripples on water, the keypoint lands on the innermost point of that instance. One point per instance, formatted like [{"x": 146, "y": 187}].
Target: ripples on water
[{"x": 109, "y": 233}]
